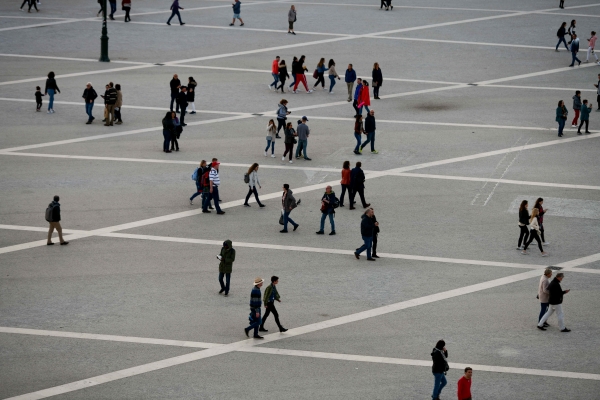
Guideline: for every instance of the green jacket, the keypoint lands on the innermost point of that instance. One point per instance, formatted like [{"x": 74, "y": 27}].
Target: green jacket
[
  {"x": 228, "y": 254},
  {"x": 585, "y": 112},
  {"x": 268, "y": 292}
]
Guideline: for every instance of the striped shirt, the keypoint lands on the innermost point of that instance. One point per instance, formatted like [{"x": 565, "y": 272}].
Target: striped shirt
[
  {"x": 214, "y": 177},
  {"x": 255, "y": 299}
]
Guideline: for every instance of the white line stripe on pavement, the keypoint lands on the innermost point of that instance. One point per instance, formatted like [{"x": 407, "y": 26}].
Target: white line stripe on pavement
[
  {"x": 69, "y": 59},
  {"x": 465, "y": 42}
]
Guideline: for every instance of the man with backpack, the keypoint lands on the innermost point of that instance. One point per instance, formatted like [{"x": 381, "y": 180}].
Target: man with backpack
[
  {"x": 328, "y": 205},
  {"x": 53, "y": 218},
  {"x": 289, "y": 203}
]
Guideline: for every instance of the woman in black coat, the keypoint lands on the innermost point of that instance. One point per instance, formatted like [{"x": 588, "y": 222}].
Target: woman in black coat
[
  {"x": 377, "y": 80},
  {"x": 439, "y": 368},
  {"x": 168, "y": 131}
]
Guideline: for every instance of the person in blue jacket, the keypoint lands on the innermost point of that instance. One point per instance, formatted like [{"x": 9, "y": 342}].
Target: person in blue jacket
[
  {"x": 561, "y": 117},
  {"x": 350, "y": 77},
  {"x": 236, "y": 12},
  {"x": 574, "y": 50}
]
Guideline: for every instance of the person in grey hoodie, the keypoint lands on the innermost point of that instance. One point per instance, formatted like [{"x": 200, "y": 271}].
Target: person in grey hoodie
[
  {"x": 253, "y": 182},
  {"x": 303, "y": 132},
  {"x": 282, "y": 113},
  {"x": 576, "y": 108},
  {"x": 291, "y": 19}
]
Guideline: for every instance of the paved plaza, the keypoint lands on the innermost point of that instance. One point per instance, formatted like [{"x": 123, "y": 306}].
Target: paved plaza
[{"x": 465, "y": 130}]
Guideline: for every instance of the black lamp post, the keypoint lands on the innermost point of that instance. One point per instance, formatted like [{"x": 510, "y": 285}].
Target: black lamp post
[{"x": 104, "y": 37}]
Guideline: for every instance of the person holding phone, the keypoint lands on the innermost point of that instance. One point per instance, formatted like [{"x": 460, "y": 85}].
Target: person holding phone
[{"x": 226, "y": 258}]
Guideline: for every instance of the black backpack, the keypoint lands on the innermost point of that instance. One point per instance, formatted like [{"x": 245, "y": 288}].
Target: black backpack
[
  {"x": 50, "y": 212},
  {"x": 336, "y": 203}
]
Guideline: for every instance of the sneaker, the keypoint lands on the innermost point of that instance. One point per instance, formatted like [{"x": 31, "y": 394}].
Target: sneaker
[
  {"x": 183, "y": 23},
  {"x": 49, "y": 112},
  {"x": 230, "y": 24},
  {"x": 545, "y": 243},
  {"x": 524, "y": 252},
  {"x": 193, "y": 112},
  {"x": 191, "y": 202},
  {"x": 544, "y": 254},
  {"x": 541, "y": 328},
  {"x": 270, "y": 87},
  {"x": 331, "y": 92},
  {"x": 374, "y": 152},
  {"x": 546, "y": 324},
  {"x": 586, "y": 61},
  {"x": 573, "y": 126},
  {"x": 261, "y": 205},
  {"x": 293, "y": 91},
  {"x": 310, "y": 91},
  {"x": 272, "y": 155},
  {"x": 283, "y": 158},
  {"x": 566, "y": 330},
  {"x": 291, "y": 162},
  {"x": 297, "y": 157},
  {"x": 168, "y": 23},
  {"x": 243, "y": 25},
  {"x": 265, "y": 153},
  {"x": 293, "y": 33},
  {"x": 296, "y": 227},
  {"x": 520, "y": 248},
  {"x": 360, "y": 150}
]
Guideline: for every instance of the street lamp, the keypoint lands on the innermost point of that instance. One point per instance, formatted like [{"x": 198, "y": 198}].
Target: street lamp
[{"x": 104, "y": 37}]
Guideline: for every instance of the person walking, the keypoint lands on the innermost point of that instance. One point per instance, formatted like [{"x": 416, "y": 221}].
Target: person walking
[
  {"x": 591, "y": 45},
  {"x": 288, "y": 203},
  {"x": 32, "y": 3},
  {"x": 255, "y": 308},
  {"x": 561, "y": 115},
  {"x": 53, "y": 218},
  {"x": 345, "y": 182},
  {"x": 110, "y": 96},
  {"x": 38, "y": 99},
  {"x": 523, "y": 225},
  {"x": 291, "y": 19},
  {"x": 168, "y": 130},
  {"x": 370, "y": 131},
  {"x": 464, "y": 385},
  {"x": 364, "y": 99},
  {"x": 561, "y": 4},
  {"x": 332, "y": 75},
  {"x": 320, "y": 70},
  {"x": 126, "y": 5},
  {"x": 576, "y": 108},
  {"x": 214, "y": 183},
  {"x": 349, "y": 78},
  {"x": 237, "y": 5},
  {"x": 176, "y": 132},
  {"x": 101, "y": 4},
  {"x": 562, "y": 31},
  {"x": 375, "y": 236},
  {"x": 539, "y": 205},
  {"x": 597, "y": 85},
  {"x": 534, "y": 232},
  {"x": 253, "y": 182},
  {"x": 356, "y": 96},
  {"x": 289, "y": 141},
  {"x": 89, "y": 95},
  {"x": 113, "y": 8},
  {"x": 270, "y": 297},
  {"x": 294, "y": 68},
  {"x": 439, "y": 355},
  {"x": 585, "y": 117},
  {"x": 299, "y": 74},
  {"x": 282, "y": 113},
  {"x": 175, "y": 11},
  {"x": 358, "y": 131},
  {"x": 544, "y": 295},
  {"x": 571, "y": 30},
  {"x": 303, "y": 132},
  {"x": 226, "y": 258},
  {"x": 274, "y": 73},
  {"x": 191, "y": 94},
  {"x": 283, "y": 75},
  {"x": 183, "y": 103},
  {"x": 118, "y": 105},
  {"x": 51, "y": 89},
  {"x": 205, "y": 182},
  {"x": 175, "y": 84},
  {"x": 367, "y": 227},
  {"x": 357, "y": 183},
  {"x": 271, "y": 135},
  {"x": 574, "y": 50},
  {"x": 328, "y": 205},
  {"x": 197, "y": 176},
  {"x": 377, "y": 80},
  {"x": 23, "y": 5},
  {"x": 555, "y": 300}
]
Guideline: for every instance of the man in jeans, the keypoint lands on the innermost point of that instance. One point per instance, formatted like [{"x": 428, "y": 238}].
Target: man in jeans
[
  {"x": 214, "y": 182},
  {"x": 370, "y": 129},
  {"x": 288, "y": 203},
  {"x": 55, "y": 223},
  {"x": 275, "y": 73},
  {"x": 255, "y": 308},
  {"x": 303, "y": 131},
  {"x": 350, "y": 77},
  {"x": 356, "y": 94},
  {"x": 89, "y": 95},
  {"x": 367, "y": 227},
  {"x": 556, "y": 299}
]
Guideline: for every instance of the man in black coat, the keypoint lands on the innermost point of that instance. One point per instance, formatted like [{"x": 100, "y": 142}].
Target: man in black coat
[
  {"x": 556, "y": 299},
  {"x": 89, "y": 95},
  {"x": 367, "y": 229},
  {"x": 175, "y": 85},
  {"x": 182, "y": 103},
  {"x": 370, "y": 129},
  {"x": 357, "y": 185}
]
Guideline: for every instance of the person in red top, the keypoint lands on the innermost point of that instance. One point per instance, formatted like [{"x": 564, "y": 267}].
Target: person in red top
[
  {"x": 464, "y": 385},
  {"x": 345, "y": 181},
  {"x": 275, "y": 73},
  {"x": 364, "y": 99}
]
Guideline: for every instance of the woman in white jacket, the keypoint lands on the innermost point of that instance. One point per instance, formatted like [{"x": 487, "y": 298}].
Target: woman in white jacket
[
  {"x": 534, "y": 233},
  {"x": 253, "y": 182},
  {"x": 544, "y": 294},
  {"x": 271, "y": 133}
]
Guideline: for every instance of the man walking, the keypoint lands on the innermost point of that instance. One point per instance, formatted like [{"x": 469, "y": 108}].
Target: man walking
[
  {"x": 303, "y": 132},
  {"x": 175, "y": 84},
  {"x": 576, "y": 108},
  {"x": 89, "y": 95},
  {"x": 113, "y": 8},
  {"x": 356, "y": 95},
  {"x": 574, "y": 50},
  {"x": 227, "y": 257},
  {"x": 110, "y": 96},
  {"x": 350, "y": 77},
  {"x": 591, "y": 45},
  {"x": 328, "y": 204},
  {"x": 274, "y": 73},
  {"x": 370, "y": 129},
  {"x": 255, "y": 308},
  {"x": 214, "y": 183},
  {"x": 357, "y": 185},
  {"x": 183, "y": 103},
  {"x": 271, "y": 295},
  {"x": 367, "y": 227},
  {"x": 288, "y": 202},
  {"x": 175, "y": 11},
  {"x": 53, "y": 218},
  {"x": 597, "y": 85},
  {"x": 236, "y": 12},
  {"x": 464, "y": 385},
  {"x": 555, "y": 300}
]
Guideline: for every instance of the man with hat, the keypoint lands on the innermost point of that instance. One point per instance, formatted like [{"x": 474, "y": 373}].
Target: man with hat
[
  {"x": 227, "y": 257},
  {"x": 303, "y": 132},
  {"x": 183, "y": 103},
  {"x": 255, "y": 307}
]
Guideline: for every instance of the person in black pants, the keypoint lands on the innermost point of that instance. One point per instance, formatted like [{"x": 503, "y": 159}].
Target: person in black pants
[
  {"x": 523, "y": 222},
  {"x": 357, "y": 184},
  {"x": 175, "y": 85},
  {"x": 113, "y": 8},
  {"x": 375, "y": 233},
  {"x": 126, "y": 4},
  {"x": 283, "y": 75},
  {"x": 271, "y": 295},
  {"x": 377, "y": 79},
  {"x": 183, "y": 103}
]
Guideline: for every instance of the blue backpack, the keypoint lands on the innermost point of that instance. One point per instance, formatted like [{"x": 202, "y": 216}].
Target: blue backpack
[{"x": 195, "y": 175}]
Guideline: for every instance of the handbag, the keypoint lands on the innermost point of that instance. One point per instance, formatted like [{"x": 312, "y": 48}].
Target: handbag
[
  {"x": 315, "y": 74},
  {"x": 281, "y": 218},
  {"x": 295, "y": 141}
]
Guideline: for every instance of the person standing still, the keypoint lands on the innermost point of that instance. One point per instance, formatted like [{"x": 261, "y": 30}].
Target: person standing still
[
  {"x": 110, "y": 96},
  {"x": 576, "y": 108},
  {"x": 54, "y": 221},
  {"x": 464, "y": 385},
  {"x": 183, "y": 103},
  {"x": 50, "y": 89},
  {"x": 358, "y": 132},
  {"x": 168, "y": 131},
  {"x": 291, "y": 19},
  {"x": 544, "y": 295},
  {"x": 375, "y": 236},
  {"x": 357, "y": 183},
  {"x": 89, "y": 95},
  {"x": 574, "y": 50},
  {"x": 597, "y": 85},
  {"x": 561, "y": 4},
  {"x": 289, "y": 141},
  {"x": 126, "y": 5},
  {"x": 253, "y": 182},
  {"x": 345, "y": 182},
  {"x": 255, "y": 308},
  {"x": 274, "y": 73},
  {"x": 370, "y": 130},
  {"x": 191, "y": 94},
  {"x": 175, "y": 84},
  {"x": 175, "y": 11},
  {"x": 282, "y": 113},
  {"x": 561, "y": 115},
  {"x": 555, "y": 299},
  {"x": 113, "y": 8},
  {"x": 226, "y": 258},
  {"x": 439, "y": 368},
  {"x": 270, "y": 297},
  {"x": 328, "y": 204},
  {"x": 118, "y": 105},
  {"x": 236, "y": 12},
  {"x": 367, "y": 227},
  {"x": 288, "y": 202},
  {"x": 585, "y": 117},
  {"x": 303, "y": 132},
  {"x": 377, "y": 80},
  {"x": 349, "y": 78}
]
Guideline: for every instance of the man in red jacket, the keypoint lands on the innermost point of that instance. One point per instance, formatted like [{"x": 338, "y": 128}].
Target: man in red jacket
[
  {"x": 275, "y": 73},
  {"x": 464, "y": 385}
]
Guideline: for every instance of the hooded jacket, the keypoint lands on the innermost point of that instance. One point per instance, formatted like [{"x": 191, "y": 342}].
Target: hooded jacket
[
  {"x": 228, "y": 254},
  {"x": 439, "y": 360},
  {"x": 576, "y": 102},
  {"x": 282, "y": 111}
]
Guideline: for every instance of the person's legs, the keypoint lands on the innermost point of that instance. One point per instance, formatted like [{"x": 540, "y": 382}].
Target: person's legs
[
  {"x": 50, "y": 230},
  {"x": 367, "y": 245},
  {"x": 173, "y": 97},
  {"x": 118, "y": 115},
  {"x": 280, "y": 124},
  {"x": 221, "y": 276},
  {"x": 248, "y": 195},
  {"x": 113, "y": 8},
  {"x": 286, "y": 219},
  {"x": 331, "y": 82},
  {"x": 304, "y": 147},
  {"x": 59, "y": 230},
  {"x": 23, "y": 4},
  {"x": 539, "y": 242},
  {"x": 322, "y": 226},
  {"x": 361, "y": 193},
  {"x": 303, "y": 78},
  {"x": 532, "y": 235},
  {"x": 206, "y": 201},
  {"x": 174, "y": 142},
  {"x": 215, "y": 196},
  {"x": 443, "y": 383},
  {"x": 254, "y": 323},
  {"x": 276, "y": 79},
  {"x": 268, "y": 143},
  {"x": 38, "y": 106},
  {"x": 376, "y": 91},
  {"x": 561, "y": 126},
  {"x": 297, "y": 80},
  {"x": 271, "y": 306},
  {"x": 167, "y": 139},
  {"x": 369, "y": 135},
  {"x": 272, "y": 147},
  {"x": 256, "y": 196},
  {"x": 574, "y": 122},
  {"x": 436, "y": 384},
  {"x": 264, "y": 318},
  {"x": 127, "y": 17},
  {"x": 169, "y": 21},
  {"x": 87, "y": 111},
  {"x": 198, "y": 192},
  {"x": 183, "y": 115},
  {"x": 587, "y": 126},
  {"x": 523, "y": 235},
  {"x": 573, "y": 57},
  {"x": 351, "y": 194},
  {"x": 344, "y": 188},
  {"x": 192, "y": 105},
  {"x": 50, "y": 99},
  {"x": 560, "y": 316},
  {"x": 374, "y": 244},
  {"x": 546, "y": 316},
  {"x": 587, "y": 57},
  {"x": 293, "y": 81},
  {"x": 331, "y": 221},
  {"x": 227, "y": 282},
  {"x": 543, "y": 310},
  {"x": 281, "y": 85},
  {"x": 178, "y": 16},
  {"x": 373, "y": 141},
  {"x": 32, "y": 4},
  {"x": 358, "y": 138},
  {"x": 350, "y": 87}
]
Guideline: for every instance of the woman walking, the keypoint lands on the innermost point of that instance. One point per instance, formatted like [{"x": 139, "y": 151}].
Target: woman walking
[
  {"x": 321, "y": 73},
  {"x": 572, "y": 30},
  {"x": 364, "y": 99},
  {"x": 345, "y": 182},
  {"x": 199, "y": 172},
  {"x": 271, "y": 135},
  {"x": 282, "y": 114},
  {"x": 177, "y": 129},
  {"x": 561, "y": 117},
  {"x": 332, "y": 75},
  {"x": 118, "y": 105},
  {"x": 358, "y": 131},
  {"x": 523, "y": 224},
  {"x": 540, "y": 218},
  {"x": 126, "y": 5},
  {"x": 299, "y": 74},
  {"x": 289, "y": 141},
  {"x": 168, "y": 130},
  {"x": 191, "y": 94},
  {"x": 534, "y": 233},
  {"x": 439, "y": 368},
  {"x": 562, "y": 31},
  {"x": 252, "y": 183},
  {"x": 291, "y": 19},
  {"x": 377, "y": 80},
  {"x": 50, "y": 90},
  {"x": 544, "y": 294},
  {"x": 283, "y": 75}
]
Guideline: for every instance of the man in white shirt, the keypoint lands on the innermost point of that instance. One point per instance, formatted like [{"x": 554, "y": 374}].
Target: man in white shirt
[{"x": 214, "y": 182}]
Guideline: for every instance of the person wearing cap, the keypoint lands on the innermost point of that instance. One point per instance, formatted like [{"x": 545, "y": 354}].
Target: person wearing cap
[
  {"x": 303, "y": 132},
  {"x": 183, "y": 103},
  {"x": 439, "y": 354},
  {"x": 289, "y": 203},
  {"x": 213, "y": 192},
  {"x": 555, "y": 299},
  {"x": 271, "y": 295},
  {"x": 227, "y": 257},
  {"x": 255, "y": 307}
]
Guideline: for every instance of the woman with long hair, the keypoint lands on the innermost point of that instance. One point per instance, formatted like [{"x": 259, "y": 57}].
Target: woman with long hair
[
  {"x": 534, "y": 233},
  {"x": 176, "y": 124},
  {"x": 271, "y": 135},
  {"x": 562, "y": 31},
  {"x": 345, "y": 182},
  {"x": 523, "y": 222},
  {"x": 321, "y": 68},
  {"x": 199, "y": 173},
  {"x": 540, "y": 218},
  {"x": 283, "y": 75},
  {"x": 282, "y": 113},
  {"x": 358, "y": 131},
  {"x": 252, "y": 183},
  {"x": 168, "y": 131},
  {"x": 572, "y": 30},
  {"x": 364, "y": 99},
  {"x": 289, "y": 141},
  {"x": 51, "y": 89},
  {"x": 377, "y": 79},
  {"x": 561, "y": 117},
  {"x": 332, "y": 75}
]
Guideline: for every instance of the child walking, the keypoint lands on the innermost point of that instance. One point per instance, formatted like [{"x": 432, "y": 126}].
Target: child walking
[{"x": 38, "y": 98}]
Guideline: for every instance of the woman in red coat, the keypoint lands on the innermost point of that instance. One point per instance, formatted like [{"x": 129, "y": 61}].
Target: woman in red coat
[{"x": 364, "y": 99}]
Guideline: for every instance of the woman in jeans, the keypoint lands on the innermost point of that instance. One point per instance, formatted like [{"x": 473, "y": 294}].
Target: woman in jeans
[
  {"x": 345, "y": 181},
  {"x": 439, "y": 368},
  {"x": 50, "y": 90},
  {"x": 540, "y": 218},
  {"x": 358, "y": 131},
  {"x": 561, "y": 117},
  {"x": 271, "y": 132},
  {"x": 290, "y": 133},
  {"x": 321, "y": 68},
  {"x": 282, "y": 113},
  {"x": 201, "y": 170},
  {"x": 176, "y": 124},
  {"x": 523, "y": 222},
  {"x": 377, "y": 80},
  {"x": 253, "y": 182},
  {"x": 332, "y": 75},
  {"x": 534, "y": 233},
  {"x": 168, "y": 131}
]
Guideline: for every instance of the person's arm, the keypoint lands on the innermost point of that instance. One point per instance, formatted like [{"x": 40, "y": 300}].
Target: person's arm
[
  {"x": 545, "y": 286},
  {"x": 211, "y": 186}
]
